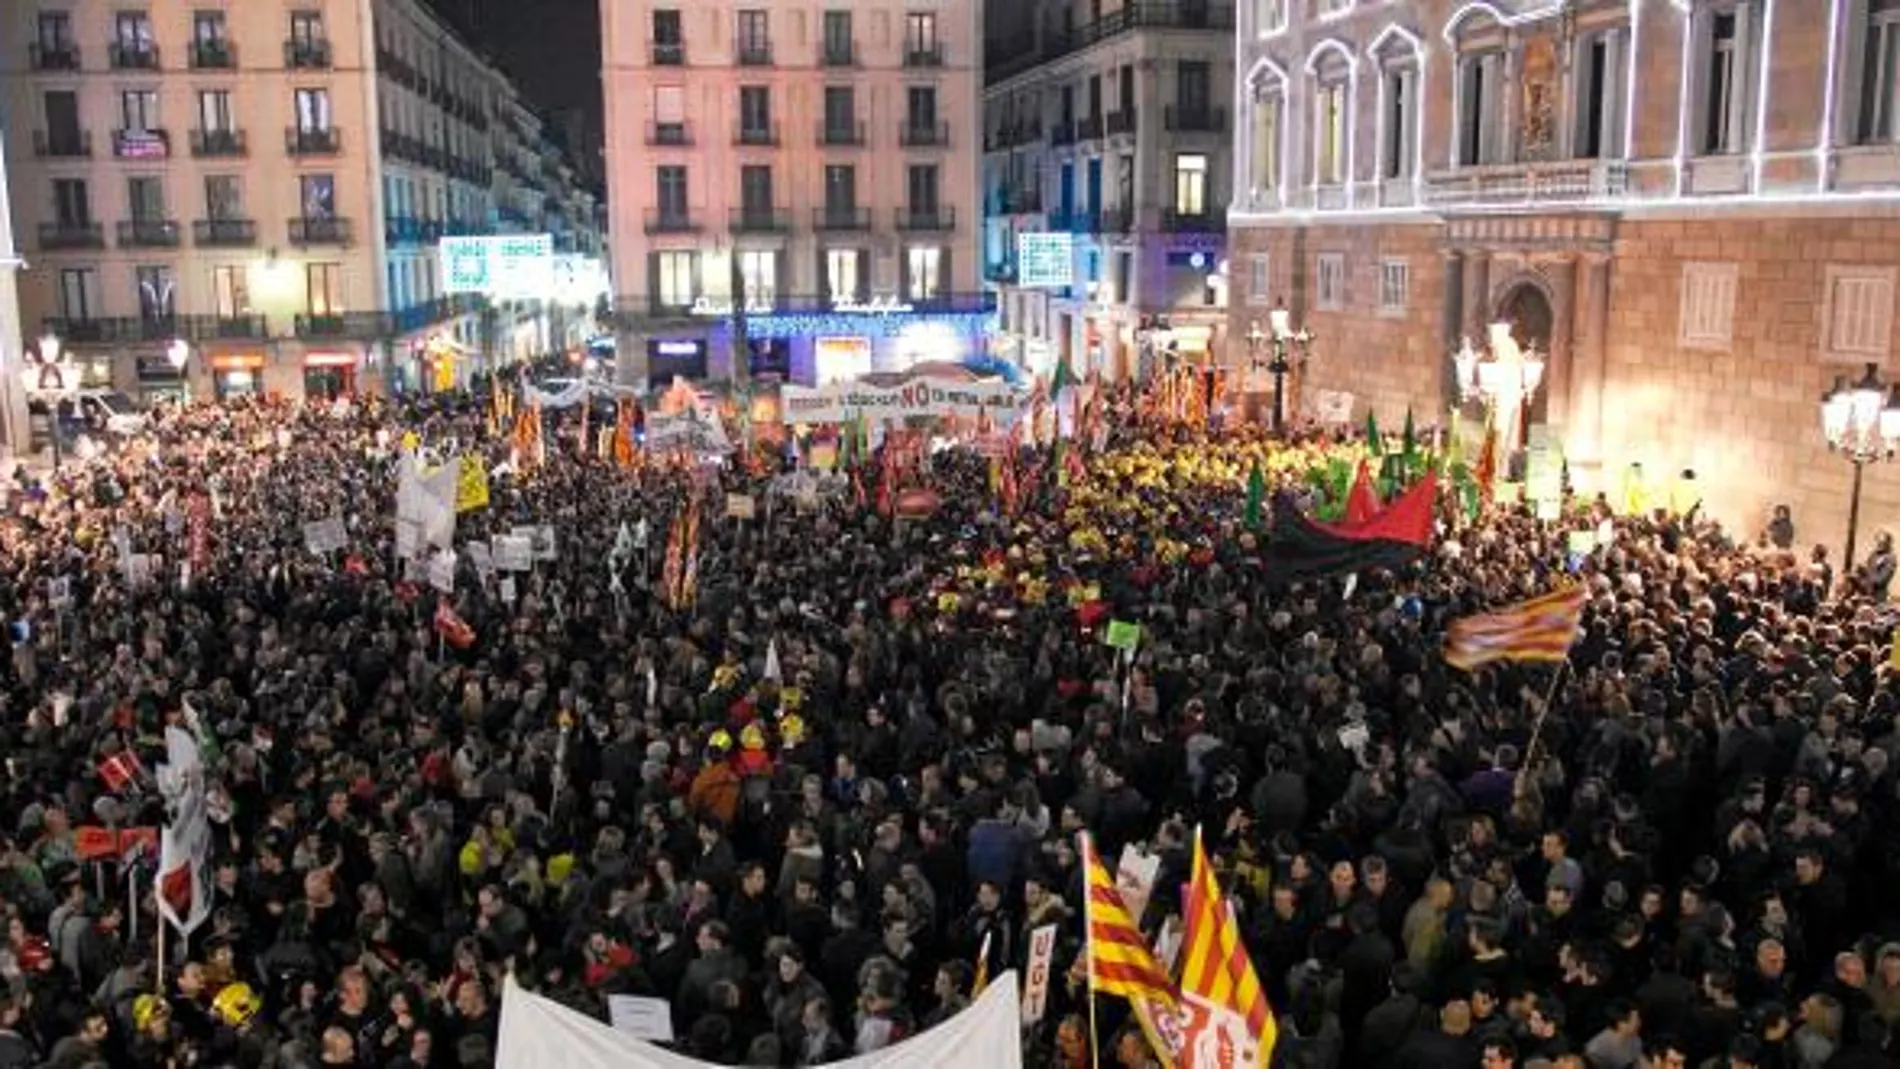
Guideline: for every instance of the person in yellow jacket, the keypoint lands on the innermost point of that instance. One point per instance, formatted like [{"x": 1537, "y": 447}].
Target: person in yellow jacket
[{"x": 1635, "y": 491}]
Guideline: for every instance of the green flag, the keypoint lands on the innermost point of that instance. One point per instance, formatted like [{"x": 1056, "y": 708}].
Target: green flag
[
  {"x": 1408, "y": 444},
  {"x": 1373, "y": 442},
  {"x": 1061, "y": 380},
  {"x": 1256, "y": 496}
]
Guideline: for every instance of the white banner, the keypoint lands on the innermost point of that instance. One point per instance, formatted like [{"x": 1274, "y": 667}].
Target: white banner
[
  {"x": 842, "y": 402},
  {"x": 325, "y": 536},
  {"x": 1135, "y": 879},
  {"x": 1042, "y": 953},
  {"x": 538, "y": 1033}
]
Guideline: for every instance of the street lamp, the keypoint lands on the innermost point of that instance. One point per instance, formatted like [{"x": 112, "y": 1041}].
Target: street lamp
[
  {"x": 179, "y": 353},
  {"x": 1862, "y": 422},
  {"x": 1281, "y": 333},
  {"x": 53, "y": 380}
]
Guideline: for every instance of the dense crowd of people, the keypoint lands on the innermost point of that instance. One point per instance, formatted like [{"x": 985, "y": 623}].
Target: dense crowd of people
[{"x": 800, "y": 807}]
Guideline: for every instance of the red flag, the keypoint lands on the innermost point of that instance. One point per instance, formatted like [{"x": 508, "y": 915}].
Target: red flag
[
  {"x": 355, "y": 565},
  {"x": 453, "y": 629},
  {"x": 1362, "y": 501},
  {"x": 1487, "y": 472},
  {"x": 120, "y": 771}
]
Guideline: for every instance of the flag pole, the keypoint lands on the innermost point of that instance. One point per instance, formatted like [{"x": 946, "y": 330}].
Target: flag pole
[
  {"x": 1537, "y": 730},
  {"x": 1088, "y": 948}
]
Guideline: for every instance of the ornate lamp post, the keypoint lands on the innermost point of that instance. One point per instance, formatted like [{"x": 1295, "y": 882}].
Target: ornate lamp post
[
  {"x": 1862, "y": 423},
  {"x": 178, "y": 354},
  {"x": 53, "y": 380}
]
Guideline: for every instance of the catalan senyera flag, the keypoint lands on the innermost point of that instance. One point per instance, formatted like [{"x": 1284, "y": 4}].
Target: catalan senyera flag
[
  {"x": 1227, "y": 1023},
  {"x": 1540, "y": 629},
  {"x": 1120, "y": 962},
  {"x": 623, "y": 434},
  {"x": 982, "y": 978}
]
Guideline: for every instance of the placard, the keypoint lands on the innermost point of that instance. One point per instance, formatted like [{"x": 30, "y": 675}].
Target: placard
[
  {"x": 1583, "y": 541},
  {"x": 408, "y": 538},
  {"x": 442, "y": 571},
  {"x": 481, "y": 558},
  {"x": 541, "y": 543},
  {"x": 508, "y": 589},
  {"x": 326, "y": 536},
  {"x": 1135, "y": 877},
  {"x": 60, "y": 591},
  {"x": 650, "y": 1019},
  {"x": 513, "y": 553},
  {"x": 741, "y": 506},
  {"x": 1122, "y": 635},
  {"x": 1042, "y": 952}
]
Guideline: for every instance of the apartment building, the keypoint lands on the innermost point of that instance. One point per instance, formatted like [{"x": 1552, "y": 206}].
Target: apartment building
[
  {"x": 1690, "y": 208},
  {"x": 267, "y": 182},
  {"x": 805, "y": 179},
  {"x": 1107, "y": 121}
]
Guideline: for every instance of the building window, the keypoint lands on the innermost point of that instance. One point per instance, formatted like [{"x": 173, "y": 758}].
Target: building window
[
  {"x": 1395, "y": 287},
  {"x": 675, "y": 275},
  {"x": 224, "y": 197},
  {"x": 208, "y": 28},
  {"x": 920, "y": 34},
  {"x": 1399, "y": 64},
  {"x": 214, "y": 112},
  {"x": 1332, "y": 9},
  {"x": 843, "y": 278},
  {"x": 841, "y": 112},
  {"x": 145, "y": 198},
  {"x": 1724, "y": 69},
  {"x": 1879, "y": 64},
  {"x": 138, "y": 110},
  {"x": 755, "y": 36},
  {"x": 78, "y": 293},
  {"x": 839, "y": 46},
  {"x": 1190, "y": 184},
  {"x": 921, "y": 109},
  {"x": 55, "y": 32},
  {"x": 755, "y": 190},
  {"x": 317, "y": 194},
  {"x": 670, "y": 191},
  {"x": 306, "y": 31},
  {"x": 313, "y": 111},
  {"x": 72, "y": 202},
  {"x": 666, "y": 27},
  {"x": 923, "y": 272},
  {"x": 1270, "y": 16},
  {"x": 1601, "y": 83},
  {"x": 1264, "y": 159},
  {"x": 323, "y": 289},
  {"x": 132, "y": 31},
  {"x": 1708, "y": 305},
  {"x": 1859, "y": 312},
  {"x": 1479, "y": 96},
  {"x": 1259, "y": 279},
  {"x": 921, "y": 189},
  {"x": 755, "y": 111},
  {"x": 758, "y": 277},
  {"x": 157, "y": 292},
  {"x": 841, "y": 189},
  {"x": 230, "y": 291},
  {"x": 1331, "y": 288},
  {"x": 1329, "y": 133}
]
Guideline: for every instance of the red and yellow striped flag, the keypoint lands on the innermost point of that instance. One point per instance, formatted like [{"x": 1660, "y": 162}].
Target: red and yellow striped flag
[
  {"x": 1228, "y": 1024},
  {"x": 1120, "y": 962},
  {"x": 1540, "y": 629},
  {"x": 982, "y": 978}
]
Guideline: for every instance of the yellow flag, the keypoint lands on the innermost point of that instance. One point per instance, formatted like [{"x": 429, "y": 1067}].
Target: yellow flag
[
  {"x": 471, "y": 485},
  {"x": 1893, "y": 655},
  {"x": 411, "y": 441}
]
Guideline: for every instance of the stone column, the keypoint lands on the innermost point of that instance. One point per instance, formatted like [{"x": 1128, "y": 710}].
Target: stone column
[
  {"x": 1451, "y": 325},
  {"x": 1560, "y": 270},
  {"x": 1586, "y": 373},
  {"x": 1477, "y": 293}
]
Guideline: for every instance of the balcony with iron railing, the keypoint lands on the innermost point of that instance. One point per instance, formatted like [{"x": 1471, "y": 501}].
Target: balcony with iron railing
[
  {"x": 1061, "y": 134},
  {"x": 757, "y": 219},
  {"x": 923, "y": 54},
  {"x": 1196, "y": 119},
  {"x": 838, "y": 54},
  {"x": 914, "y": 134},
  {"x": 936, "y": 218},
  {"x": 148, "y": 144},
  {"x": 55, "y": 57},
  {"x": 64, "y": 234},
  {"x": 669, "y": 134},
  {"x": 213, "y": 54},
  {"x": 1205, "y": 221},
  {"x": 753, "y": 53},
  {"x": 1117, "y": 220},
  {"x": 62, "y": 144},
  {"x": 1120, "y": 123},
  {"x": 834, "y": 218},
  {"x": 1131, "y": 16},
  {"x": 209, "y": 144},
  {"x": 309, "y": 54},
  {"x": 671, "y": 221},
  {"x": 157, "y": 326},
  {"x": 325, "y": 141},
  {"x": 148, "y": 234},
  {"x": 201, "y": 328},
  {"x": 834, "y": 134},
  {"x": 1089, "y": 127},
  {"x": 755, "y": 134},
  {"x": 319, "y": 230},
  {"x": 667, "y": 54},
  {"x": 1019, "y": 201},
  {"x": 133, "y": 56},
  {"x": 224, "y": 233},
  {"x": 355, "y": 326}
]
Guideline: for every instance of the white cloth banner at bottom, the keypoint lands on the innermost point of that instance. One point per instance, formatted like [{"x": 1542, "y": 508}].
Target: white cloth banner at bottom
[{"x": 537, "y": 1033}]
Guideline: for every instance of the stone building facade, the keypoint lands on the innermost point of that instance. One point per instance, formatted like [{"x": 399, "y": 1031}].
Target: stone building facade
[{"x": 1690, "y": 206}]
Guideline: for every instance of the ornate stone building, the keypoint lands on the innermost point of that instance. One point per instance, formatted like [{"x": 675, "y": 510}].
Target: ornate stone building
[{"x": 1692, "y": 206}]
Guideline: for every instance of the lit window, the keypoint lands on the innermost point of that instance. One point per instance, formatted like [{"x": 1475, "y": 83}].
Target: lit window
[
  {"x": 1267, "y": 112},
  {"x": 923, "y": 272},
  {"x": 677, "y": 272},
  {"x": 842, "y": 277},
  {"x": 1880, "y": 65},
  {"x": 1190, "y": 184},
  {"x": 1329, "y": 124},
  {"x": 758, "y": 273},
  {"x": 1270, "y": 16}
]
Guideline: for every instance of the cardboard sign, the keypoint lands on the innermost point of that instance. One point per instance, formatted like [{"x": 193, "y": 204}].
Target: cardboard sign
[
  {"x": 442, "y": 571},
  {"x": 1135, "y": 877},
  {"x": 1122, "y": 635},
  {"x": 326, "y": 536},
  {"x": 408, "y": 538},
  {"x": 1042, "y": 952},
  {"x": 514, "y": 553},
  {"x": 650, "y": 1019},
  {"x": 481, "y": 558},
  {"x": 1583, "y": 542},
  {"x": 741, "y": 506},
  {"x": 508, "y": 590},
  {"x": 60, "y": 591}
]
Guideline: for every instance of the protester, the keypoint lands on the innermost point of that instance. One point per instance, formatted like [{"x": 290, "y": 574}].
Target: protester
[{"x": 815, "y": 799}]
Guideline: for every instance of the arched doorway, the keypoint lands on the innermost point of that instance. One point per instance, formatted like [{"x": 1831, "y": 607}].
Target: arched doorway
[{"x": 1526, "y": 307}]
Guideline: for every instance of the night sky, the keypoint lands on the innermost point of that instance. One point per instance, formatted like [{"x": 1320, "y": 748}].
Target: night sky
[{"x": 550, "y": 47}]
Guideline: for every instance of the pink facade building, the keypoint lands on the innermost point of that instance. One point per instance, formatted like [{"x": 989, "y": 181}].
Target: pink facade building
[{"x": 795, "y": 186}]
